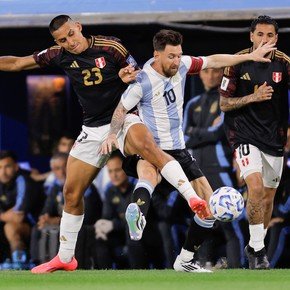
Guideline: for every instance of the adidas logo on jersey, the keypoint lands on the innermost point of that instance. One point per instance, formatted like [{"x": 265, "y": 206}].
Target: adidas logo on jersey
[
  {"x": 246, "y": 77},
  {"x": 74, "y": 64}
]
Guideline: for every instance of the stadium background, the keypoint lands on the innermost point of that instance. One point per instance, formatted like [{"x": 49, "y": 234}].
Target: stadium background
[{"x": 207, "y": 26}]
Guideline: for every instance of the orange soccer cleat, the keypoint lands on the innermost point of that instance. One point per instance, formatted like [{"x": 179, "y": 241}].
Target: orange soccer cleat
[
  {"x": 199, "y": 206},
  {"x": 54, "y": 265}
]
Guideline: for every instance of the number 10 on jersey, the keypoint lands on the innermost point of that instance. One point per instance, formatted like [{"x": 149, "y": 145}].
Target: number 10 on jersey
[{"x": 169, "y": 97}]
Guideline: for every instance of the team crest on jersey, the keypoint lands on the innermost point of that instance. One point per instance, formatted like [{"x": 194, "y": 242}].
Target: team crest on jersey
[
  {"x": 277, "y": 77},
  {"x": 100, "y": 62}
]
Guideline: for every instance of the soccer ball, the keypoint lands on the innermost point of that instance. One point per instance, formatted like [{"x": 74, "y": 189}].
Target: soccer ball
[{"x": 226, "y": 204}]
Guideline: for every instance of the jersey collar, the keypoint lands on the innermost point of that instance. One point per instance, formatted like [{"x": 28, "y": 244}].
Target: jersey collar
[
  {"x": 272, "y": 53},
  {"x": 148, "y": 66}
]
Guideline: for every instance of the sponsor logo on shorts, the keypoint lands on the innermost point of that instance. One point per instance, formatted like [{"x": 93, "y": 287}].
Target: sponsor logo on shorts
[{"x": 245, "y": 162}]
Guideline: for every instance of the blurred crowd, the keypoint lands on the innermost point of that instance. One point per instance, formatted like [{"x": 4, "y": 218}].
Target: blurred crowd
[{"x": 31, "y": 205}]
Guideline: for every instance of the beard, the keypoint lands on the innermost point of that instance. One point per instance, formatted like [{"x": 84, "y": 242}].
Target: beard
[{"x": 170, "y": 72}]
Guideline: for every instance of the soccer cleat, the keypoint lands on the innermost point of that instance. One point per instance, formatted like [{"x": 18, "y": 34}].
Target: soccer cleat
[
  {"x": 54, "y": 265},
  {"x": 136, "y": 221},
  {"x": 7, "y": 265},
  {"x": 189, "y": 266},
  {"x": 19, "y": 260},
  {"x": 257, "y": 260},
  {"x": 199, "y": 206}
]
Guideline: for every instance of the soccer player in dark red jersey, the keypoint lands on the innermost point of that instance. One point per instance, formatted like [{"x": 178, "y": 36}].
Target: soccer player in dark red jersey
[{"x": 254, "y": 97}]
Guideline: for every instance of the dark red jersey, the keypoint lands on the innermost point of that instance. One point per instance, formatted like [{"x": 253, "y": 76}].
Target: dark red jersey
[
  {"x": 93, "y": 75},
  {"x": 262, "y": 124}
]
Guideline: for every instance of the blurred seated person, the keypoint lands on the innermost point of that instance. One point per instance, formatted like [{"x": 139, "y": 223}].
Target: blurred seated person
[
  {"x": 64, "y": 144},
  {"x": 20, "y": 201},
  {"x": 47, "y": 230},
  {"x": 174, "y": 217},
  {"x": 102, "y": 181},
  {"x": 278, "y": 236},
  {"x": 114, "y": 248},
  {"x": 206, "y": 140}
]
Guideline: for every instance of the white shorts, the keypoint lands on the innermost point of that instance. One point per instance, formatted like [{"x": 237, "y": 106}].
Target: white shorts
[
  {"x": 86, "y": 147},
  {"x": 251, "y": 159}
]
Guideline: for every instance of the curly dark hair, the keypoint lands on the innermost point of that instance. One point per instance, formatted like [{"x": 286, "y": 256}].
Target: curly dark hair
[
  {"x": 264, "y": 19},
  {"x": 165, "y": 37}
]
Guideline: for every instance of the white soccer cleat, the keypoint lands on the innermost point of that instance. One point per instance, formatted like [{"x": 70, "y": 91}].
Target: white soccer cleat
[
  {"x": 136, "y": 221},
  {"x": 188, "y": 266}
]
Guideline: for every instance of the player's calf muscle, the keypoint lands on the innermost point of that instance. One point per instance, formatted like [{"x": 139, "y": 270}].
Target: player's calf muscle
[{"x": 255, "y": 212}]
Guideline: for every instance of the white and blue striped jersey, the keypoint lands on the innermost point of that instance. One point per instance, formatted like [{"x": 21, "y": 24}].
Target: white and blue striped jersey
[{"x": 160, "y": 100}]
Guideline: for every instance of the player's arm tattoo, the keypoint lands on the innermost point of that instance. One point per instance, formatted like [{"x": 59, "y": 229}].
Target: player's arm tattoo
[
  {"x": 230, "y": 104},
  {"x": 255, "y": 212},
  {"x": 118, "y": 118}
]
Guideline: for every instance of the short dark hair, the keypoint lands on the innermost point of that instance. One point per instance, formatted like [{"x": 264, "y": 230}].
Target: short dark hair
[
  {"x": 116, "y": 154},
  {"x": 57, "y": 22},
  {"x": 59, "y": 155},
  {"x": 264, "y": 19},
  {"x": 67, "y": 135},
  {"x": 165, "y": 37},
  {"x": 8, "y": 154}
]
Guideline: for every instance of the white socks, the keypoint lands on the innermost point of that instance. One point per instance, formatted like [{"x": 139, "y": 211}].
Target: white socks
[
  {"x": 257, "y": 234},
  {"x": 206, "y": 223},
  {"x": 186, "y": 255},
  {"x": 174, "y": 174},
  {"x": 265, "y": 233},
  {"x": 70, "y": 226},
  {"x": 146, "y": 184}
]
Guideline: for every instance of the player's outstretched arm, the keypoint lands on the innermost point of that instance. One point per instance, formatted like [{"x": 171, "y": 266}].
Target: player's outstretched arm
[
  {"x": 223, "y": 60},
  {"x": 14, "y": 63},
  {"x": 116, "y": 125},
  {"x": 263, "y": 93}
]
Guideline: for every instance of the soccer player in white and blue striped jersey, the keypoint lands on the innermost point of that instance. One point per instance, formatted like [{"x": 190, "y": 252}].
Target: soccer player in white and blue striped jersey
[{"x": 159, "y": 94}]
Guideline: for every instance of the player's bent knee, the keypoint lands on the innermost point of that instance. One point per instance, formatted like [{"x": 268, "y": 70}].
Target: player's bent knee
[
  {"x": 151, "y": 176},
  {"x": 72, "y": 199},
  {"x": 11, "y": 231},
  {"x": 147, "y": 171},
  {"x": 256, "y": 190}
]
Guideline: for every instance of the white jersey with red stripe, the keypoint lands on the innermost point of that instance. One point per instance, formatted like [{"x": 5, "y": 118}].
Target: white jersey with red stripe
[{"x": 160, "y": 100}]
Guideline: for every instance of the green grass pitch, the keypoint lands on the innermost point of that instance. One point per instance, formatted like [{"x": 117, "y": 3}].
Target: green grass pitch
[{"x": 147, "y": 279}]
